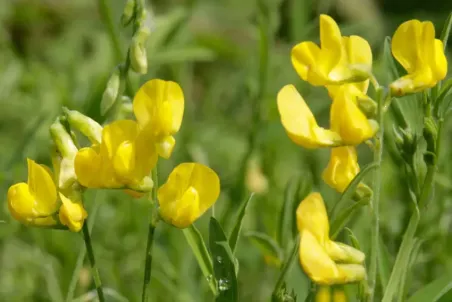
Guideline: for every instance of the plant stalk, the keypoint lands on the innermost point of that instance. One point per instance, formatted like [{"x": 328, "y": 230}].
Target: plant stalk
[{"x": 92, "y": 260}]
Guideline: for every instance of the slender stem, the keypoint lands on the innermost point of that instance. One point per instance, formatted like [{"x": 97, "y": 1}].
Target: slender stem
[
  {"x": 378, "y": 155},
  {"x": 151, "y": 230},
  {"x": 94, "y": 270}
]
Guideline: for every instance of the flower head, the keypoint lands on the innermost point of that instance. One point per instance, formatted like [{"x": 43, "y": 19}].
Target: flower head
[
  {"x": 414, "y": 46},
  {"x": 190, "y": 190},
  {"x": 342, "y": 168},
  {"x": 338, "y": 60},
  {"x": 159, "y": 107},
  {"x": 325, "y": 261},
  {"x": 123, "y": 159}
]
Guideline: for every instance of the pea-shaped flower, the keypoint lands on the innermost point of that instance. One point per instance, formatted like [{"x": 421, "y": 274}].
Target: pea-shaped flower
[
  {"x": 414, "y": 46},
  {"x": 325, "y": 261},
  {"x": 159, "y": 107},
  {"x": 342, "y": 168},
  {"x": 338, "y": 60},
  {"x": 190, "y": 190},
  {"x": 121, "y": 160},
  {"x": 72, "y": 213},
  {"x": 299, "y": 122}
]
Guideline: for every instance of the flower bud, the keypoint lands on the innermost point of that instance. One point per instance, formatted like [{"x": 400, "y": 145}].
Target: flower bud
[
  {"x": 138, "y": 57},
  {"x": 111, "y": 91},
  {"x": 367, "y": 106},
  {"x": 87, "y": 126},
  {"x": 430, "y": 133},
  {"x": 128, "y": 12}
]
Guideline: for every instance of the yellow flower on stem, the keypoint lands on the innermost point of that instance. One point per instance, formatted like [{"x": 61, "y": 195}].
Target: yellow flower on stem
[
  {"x": 159, "y": 107},
  {"x": 122, "y": 160},
  {"x": 299, "y": 122},
  {"x": 342, "y": 168},
  {"x": 348, "y": 120},
  {"x": 34, "y": 202},
  {"x": 338, "y": 60},
  {"x": 190, "y": 190},
  {"x": 325, "y": 261},
  {"x": 414, "y": 46},
  {"x": 72, "y": 213}
]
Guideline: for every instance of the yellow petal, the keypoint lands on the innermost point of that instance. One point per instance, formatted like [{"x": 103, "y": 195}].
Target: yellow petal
[
  {"x": 159, "y": 104},
  {"x": 342, "y": 168},
  {"x": 165, "y": 146},
  {"x": 300, "y": 123},
  {"x": 413, "y": 82},
  {"x": 72, "y": 214},
  {"x": 340, "y": 252},
  {"x": 124, "y": 161},
  {"x": 21, "y": 203},
  {"x": 348, "y": 273},
  {"x": 323, "y": 294},
  {"x": 315, "y": 261},
  {"x": 42, "y": 188},
  {"x": 439, "y": 61},
  {"x": 190, "y": 190},
  {"x": 146, "y": 156},
  {"x": 312, "y": 216},
  {"x": 349, "y": 121},
  {"x": 358, "y": 51},
  {"x": 87, "y": 165},
  {"x": 339, "y": 295},
  {"x": 406, "y": 44},
  {"x": 304, "y": 57},
  {"x": 330, "y": 34},
  {"x": 114, "y": 134}
]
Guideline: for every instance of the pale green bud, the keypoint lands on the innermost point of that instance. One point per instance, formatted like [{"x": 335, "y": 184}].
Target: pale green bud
[
  {"x": 111, "y": 91},
  {"x": 138, "y": 59},
  {"x": 87, "y": 126},
  {"x": 128, "y": 12}
]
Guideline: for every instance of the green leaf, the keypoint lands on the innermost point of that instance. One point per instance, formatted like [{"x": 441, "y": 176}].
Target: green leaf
[
  {"x": 287, "y": 215},
  {"x": 384, "y": 264},
  {"x": 433, "y": 291},
  {"x": 445, "y": 33},
  {"x": 348, "y": 193},
  {"x": 223, "y": 265},
  {"x": 233, "y": 238},
  {"x": 198, "y": 246},
  {"x": 389, "y": 60},
  {"x": 266, "y": 244},
  {"x": 342, "y": 218},
  {"x": 285, "y": 269}
]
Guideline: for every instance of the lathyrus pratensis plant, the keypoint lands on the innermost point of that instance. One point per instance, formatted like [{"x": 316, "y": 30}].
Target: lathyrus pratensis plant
[
  {"x": 343, "y": 65},
  {"x": 123, "y": 154}
]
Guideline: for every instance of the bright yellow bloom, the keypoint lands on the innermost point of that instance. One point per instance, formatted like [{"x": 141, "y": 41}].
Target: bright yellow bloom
[
  {"x": 342, "y": 168},
  {"x": 348, "y": 120},
  {"x": 414, "y": 46},
  {"x": 338, "y": 60},
  {"x": 72, "y": 213},
  {"x": 190, "y": 190},
  {"x": 300, "y": 123},
  {"x": 159, "y": 107},
  {"x": 325, "y": 261},
  {"x": 123, "y": 159},
  {"x": 34, "y": 202},
  {"x": 324, "y": 294}
]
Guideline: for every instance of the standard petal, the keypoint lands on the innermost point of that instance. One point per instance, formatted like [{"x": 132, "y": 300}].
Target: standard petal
[
  {"x": 42, "y": 188},
  {"x": 304, "y": 57},
  {"x": 114, "y": 134},
  {"x": 439, "y": 61},
  {"x": 342, "y": 168},
  {"x": 20, "y": 202},
  {"x": 330, "y": 34},
  {"x": 184, "y": 211},
  {"x": 300, "y": 123},
  {"x": 312, "y": 216},
  {"x": 358, "y": 51},
  {"x": 87, "y": 165},
  {"x": 124, "y": 162},
  {"x": 161, "y": 104},
  {"x": 145, "y": 155},
  {"x": 406, "y": 44},
  {"x": 207, "y": 184}
]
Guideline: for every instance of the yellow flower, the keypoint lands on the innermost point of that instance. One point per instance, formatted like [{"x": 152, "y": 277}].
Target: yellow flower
[
  {"x": 338, "y": 60},
  {"x": 72, "y": 213},
  {"x": 414, "y": 46},
  {"x": 325, "y": 261},
  {"x": 34, "y": 202},
  {"x": 342, "y": 168},
  {"x": 324, "y": 295},
  {"x": 348, "y": 120},
  {"x": 159, "y": 107},
  {"x": 123, "y": 159},
  {"x": 190, "y": 190},
  {"x": 300, "y": 123}
]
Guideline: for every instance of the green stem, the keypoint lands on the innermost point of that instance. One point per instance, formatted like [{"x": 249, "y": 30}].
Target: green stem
[
  {"x": 151, "y": 230},
  {"x": 94, "y": 270},
  {"x": 378, "y": 155}
]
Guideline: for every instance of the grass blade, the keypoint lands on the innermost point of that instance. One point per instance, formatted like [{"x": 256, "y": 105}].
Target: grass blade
[{"x": 234, "y": 237}]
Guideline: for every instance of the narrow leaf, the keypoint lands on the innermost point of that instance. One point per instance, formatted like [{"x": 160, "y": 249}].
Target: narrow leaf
[
  {"x": 433, "y": 291},
  {"x": 234, "y": 237},
  {"x": 198, "y": 246},
  {"x": 348, "y": 193},
  {"x": 287, "y": 214},
  {"x": 384, "y": 264},
  {"x": 342, "y": 218},
  {"x": 286, "y": 268},
  {"x": 389, "y": 60},
  {"x": 223, "y": 264},
  {"x": 266, "y": 244},
  {"x": 445, "y": 33}
]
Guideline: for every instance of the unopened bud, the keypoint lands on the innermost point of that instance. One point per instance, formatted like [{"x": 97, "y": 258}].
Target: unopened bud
[
  {"x": 367, "y": 106},
  {"x": 128, "y": 12},
  {"x": 87, "y": 126},
  {"x": 146, "y": 185},
  {"x": 125, "y": 109},
  {"x": 430, "y": 133},
  {"x": 111, "y": 91},
  {"x": 138, "y": 59}
]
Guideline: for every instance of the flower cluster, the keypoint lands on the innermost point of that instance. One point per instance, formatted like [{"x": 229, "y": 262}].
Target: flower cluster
[{"x": 121, "y": 156}]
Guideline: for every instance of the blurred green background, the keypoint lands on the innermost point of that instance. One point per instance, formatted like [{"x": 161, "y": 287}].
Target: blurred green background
[{"x": 56, "y": 53}]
